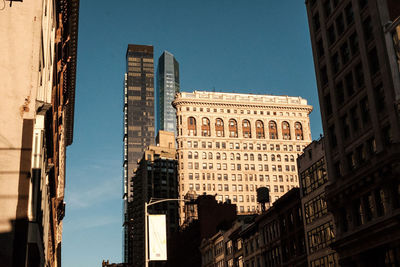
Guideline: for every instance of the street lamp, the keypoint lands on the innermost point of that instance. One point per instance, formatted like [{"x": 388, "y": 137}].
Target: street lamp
[{"x": 146, "y": 205}]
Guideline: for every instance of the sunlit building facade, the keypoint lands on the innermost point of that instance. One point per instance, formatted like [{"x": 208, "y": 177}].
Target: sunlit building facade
[
  {"x": 231, "y": 144},
  {"x": 37, "y": 84}
]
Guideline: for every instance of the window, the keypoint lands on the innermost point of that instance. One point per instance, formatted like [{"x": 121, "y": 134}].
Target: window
[
  {"x": 367, "y": 27},
  {"x": 205, "y": 127},
  {"x": 359, "y": 73},
  {"x": 192, "y": 126},
  {"x": 339, "y": 24},
  {"x": 354, "y": 44},
  {"x": 246, "y": 129},
  {"x": 260, "y": 129},
  {"x": 298, "y": 131},
  {"x": 286, "y": 130},
  {"x": 219, "y": 127},
  {"x": 373, "y": 61},
  {"x": 331, "y": 35},
  {"x": 345, "y": 53},
  {"x": 349, "y": 14},
  {"x": 273, "y": 131},
  {"x": 313, "y": 177},
  {"x": 316, "y": 22},
  {"x": 233, "y": 131},
  {"x": 190, "y": 155}
]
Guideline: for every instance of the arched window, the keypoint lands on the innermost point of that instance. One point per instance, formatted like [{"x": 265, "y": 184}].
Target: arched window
[
  {"x": 233, "y": 132},
  {"x": 205, "y": 127},
  {"x": 190, "y": 155},
  {"x": 218, "y": 155},
  {"x": 219, "y": 127},
  {"x": 204, "y": 155},
  {"x": 259, "y": 157},
  {"x": 252, "y": 157},
  {"x": 260, "y": 129},
  {"x": 272, "y": 157},
  {"x": 224, "y": 156},
  {"x": 286, "y": 158},
  {"x": 210, "y": 155},
  {"x": 232, "y": 156},
  {"x": 245, "y": 156},
  {"x": 292, "y": 158},
  {"x": 298, "y": 130},
  {"x": 192, "y": 126},
  {"x": 286, "y": 130},
  {"x": 196, "y": 155},
  {"x": 237, "y": 156},
  {"x": 273, "y": 131},
  {"x": 246, "y": 129},
  {"x": 278, "y": 157},
  {"x": 265, "y": 157}
]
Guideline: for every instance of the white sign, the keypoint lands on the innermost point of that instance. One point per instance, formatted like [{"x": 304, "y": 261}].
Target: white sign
[{"x": 157, "y": 238}]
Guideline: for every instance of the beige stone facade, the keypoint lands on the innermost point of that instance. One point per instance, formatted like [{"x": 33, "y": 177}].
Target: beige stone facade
[
  {"x": 37, "y": 85},
  {"x": 230, "y": 144}
]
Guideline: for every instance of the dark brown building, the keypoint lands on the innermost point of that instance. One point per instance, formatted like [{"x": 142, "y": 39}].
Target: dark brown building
[
  {"x": 281, "y": 234},
  {"x": 155, "y": 177},
  {"x": 354, "y": 44},
  {"x": 212, "y": 217},
  {"x": 138, "y": 123},
  {"x": 319, "y": 226}
]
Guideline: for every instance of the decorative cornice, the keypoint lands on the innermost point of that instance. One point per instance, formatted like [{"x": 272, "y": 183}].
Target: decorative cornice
[{"x": 73, "y": 18}]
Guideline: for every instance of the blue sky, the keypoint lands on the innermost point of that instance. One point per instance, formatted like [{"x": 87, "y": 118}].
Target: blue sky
[{"x": 257, "y": 46}]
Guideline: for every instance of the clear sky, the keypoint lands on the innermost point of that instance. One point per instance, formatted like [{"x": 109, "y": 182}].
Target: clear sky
[{"x": 243, "y": 46}]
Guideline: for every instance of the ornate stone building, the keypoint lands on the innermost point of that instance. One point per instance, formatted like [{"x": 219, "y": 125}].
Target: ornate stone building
[
  {"x": 37, "y": 84},
  {"x": 230, "y": 144}
]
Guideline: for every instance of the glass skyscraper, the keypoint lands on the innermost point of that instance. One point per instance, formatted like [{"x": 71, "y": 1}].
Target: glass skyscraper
[
  {"x": 167, "y": 86},
  {"x": 138, "y": 125}
]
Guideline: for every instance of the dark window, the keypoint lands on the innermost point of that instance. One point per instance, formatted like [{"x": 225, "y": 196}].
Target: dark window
[
  {"x": 320, "y": 48},
  {"x": 355, "y": 121},
  {"x": 367, "y": 26},
  {"x": 327, "y": 8},
  {"x": 362, "y": 3},
  {"x": 349, "y": 84},
  {"x": 360, "y": 154},
  {"x": 387, "y": 135},
  {"x": 371, "y": 146},
  {"x": 379, "y": 98},
  {"x": 328, "y": 104},
  {"x": 345, "y": 53},
  {"x": 335, "y": 63},
  {"x": 345, "y": 126},
  {"x": 332, "y": 136},
  {"x": 339, "y": 93},
  {"x": 349, "y": 14},
  {"x": 316, "y": 22},
  {"x": 324, "y": 75},
  {"x": 359, "y": 75},
  {"x": 354, "y": 44},
  {"x": 364, "y": 106},
  {"x": 358, "y": 212},
  {"x": 339, "y": 24},
  {"x": 373, "y": 61},
  {"x": 331, "y": 35}
]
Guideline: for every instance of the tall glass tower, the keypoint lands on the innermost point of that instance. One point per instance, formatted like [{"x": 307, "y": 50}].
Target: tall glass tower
[
  {"x": 167, "y": 86},
  {"x": 138, "y": 126}
]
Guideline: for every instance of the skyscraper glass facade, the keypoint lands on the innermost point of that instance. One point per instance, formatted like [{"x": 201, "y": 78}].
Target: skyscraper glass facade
[
  {"x": 167, "y": 86},
  {"x": 138, "y": 124}
]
